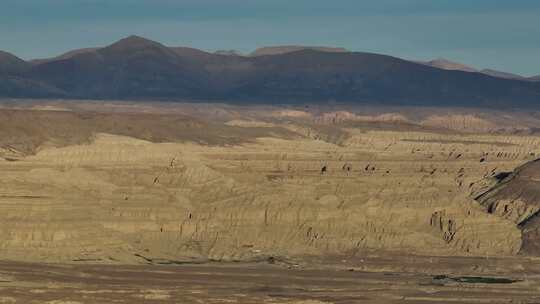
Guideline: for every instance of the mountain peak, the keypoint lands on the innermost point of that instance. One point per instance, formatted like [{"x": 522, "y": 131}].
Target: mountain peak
[
  {"x": 134, "y": 42},
  {"x": 137, "y": 45}
]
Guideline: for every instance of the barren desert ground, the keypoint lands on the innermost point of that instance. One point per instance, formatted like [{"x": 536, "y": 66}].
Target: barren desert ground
[{"x": 212, "y": 203}]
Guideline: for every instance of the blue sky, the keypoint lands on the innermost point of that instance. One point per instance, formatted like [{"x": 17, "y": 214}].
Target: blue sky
[{"x": 498, "y": 34}]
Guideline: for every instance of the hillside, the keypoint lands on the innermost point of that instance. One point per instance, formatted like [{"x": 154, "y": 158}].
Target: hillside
[
  {"x": 137, "y": 68},
  {"x": 500, "y": 74},
  {"x": 11, "y": 64}
]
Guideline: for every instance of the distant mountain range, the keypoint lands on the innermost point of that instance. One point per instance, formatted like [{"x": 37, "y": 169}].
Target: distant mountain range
[
  {"x": 279, "y": 50},
  {"x": 137, "y": 68},
  {"x": 446, "y": 64}
]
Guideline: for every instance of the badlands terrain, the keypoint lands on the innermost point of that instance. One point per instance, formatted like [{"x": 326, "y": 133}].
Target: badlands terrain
[{"x": 212, "y": 203}]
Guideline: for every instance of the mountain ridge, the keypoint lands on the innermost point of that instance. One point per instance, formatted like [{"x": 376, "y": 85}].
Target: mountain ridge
[
  {"x": 283, "y": 49},
  {"x": 10, "y": 63},
  {"x": 501, "y": 74},
  {"x": 445, "y": 64},
  {"x": 139, "y": 68}
]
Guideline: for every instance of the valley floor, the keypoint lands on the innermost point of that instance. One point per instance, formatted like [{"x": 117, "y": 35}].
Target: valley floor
[{"x": 398, "y": 280}]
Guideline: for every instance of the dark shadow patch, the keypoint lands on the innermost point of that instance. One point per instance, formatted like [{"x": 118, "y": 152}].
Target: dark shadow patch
[
  {"x": 441, "y": 279},
  {"x": 9, "y": 159},
  {"x": 502, "y": 175}
]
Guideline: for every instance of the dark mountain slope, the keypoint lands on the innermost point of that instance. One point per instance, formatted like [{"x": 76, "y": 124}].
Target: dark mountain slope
[
  {"x": 137, "y": 68},
  {"x": 11, "y": 64},
  {"x": 500, "y": 74},
  {"x": 14, "y": 83},
  {"x": 20, "y": 87},
  {"x": 131, "y": 68},
  {"x": 66, "y": 55},
  {"x": 363, "y": 77}
]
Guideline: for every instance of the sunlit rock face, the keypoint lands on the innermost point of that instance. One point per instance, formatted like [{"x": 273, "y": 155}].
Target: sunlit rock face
[
  {"x": 516, "y": 198},
  {"x": 230, "y": 183}
]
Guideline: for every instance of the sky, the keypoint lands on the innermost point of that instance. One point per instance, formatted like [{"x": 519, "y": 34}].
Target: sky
[{"x": 496, "y": 34}]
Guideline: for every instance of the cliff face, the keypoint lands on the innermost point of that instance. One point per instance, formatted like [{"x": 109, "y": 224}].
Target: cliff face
[
  {"x": 136, "y": 187},
  {"x": 516, "y": 198}
]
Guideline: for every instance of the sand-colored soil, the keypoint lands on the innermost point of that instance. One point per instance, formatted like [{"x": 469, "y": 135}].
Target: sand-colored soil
[
  {"x": 366, "y": 280},
  {"x": 166, "y": 188}
]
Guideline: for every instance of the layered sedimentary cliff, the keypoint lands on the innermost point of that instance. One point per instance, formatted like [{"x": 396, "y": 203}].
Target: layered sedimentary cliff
[
  {"x": 516, "y": 198},
  {"x": 121, "y": 199}
]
